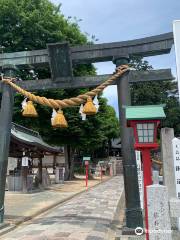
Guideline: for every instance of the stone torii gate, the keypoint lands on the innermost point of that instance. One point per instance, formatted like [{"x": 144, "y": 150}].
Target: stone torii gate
[{"x": 61, "y": 58}]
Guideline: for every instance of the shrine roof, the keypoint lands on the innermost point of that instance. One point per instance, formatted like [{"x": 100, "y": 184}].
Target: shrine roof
[
  {"x": 31, "y": 138},
  {"x": 145, "y": 112}
]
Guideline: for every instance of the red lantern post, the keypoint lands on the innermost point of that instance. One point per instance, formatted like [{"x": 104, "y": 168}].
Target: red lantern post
[
  {"x": 86, "y": 161},
  {"x": 145, "y": 121},
  {"x": 101, "y": 173},
  {"x": 86, "y": 164}
]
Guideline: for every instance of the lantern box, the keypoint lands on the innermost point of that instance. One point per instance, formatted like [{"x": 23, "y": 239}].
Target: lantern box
[
  {"x": 101, "y": 163},
  {"x": 86, "y": 160},
  {"x": 145, "y": 121}
]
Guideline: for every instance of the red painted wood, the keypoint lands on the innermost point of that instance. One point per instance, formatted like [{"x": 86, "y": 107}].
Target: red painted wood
[
  {"x": 147, "y": 174},
  {"x": 87, "y": 175}
]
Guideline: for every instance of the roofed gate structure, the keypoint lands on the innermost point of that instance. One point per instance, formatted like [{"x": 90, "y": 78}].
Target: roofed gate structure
[
  {"x": 61, "y": 58},
  {"x": 24, "y": 139}
]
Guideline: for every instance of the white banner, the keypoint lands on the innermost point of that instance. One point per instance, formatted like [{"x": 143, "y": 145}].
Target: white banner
[
  {"x": 176, "y": 157},
  {"x": 25, "y": 161},
  {"x": 176, "y": 32},
  {"x": 140, "y": 178}
]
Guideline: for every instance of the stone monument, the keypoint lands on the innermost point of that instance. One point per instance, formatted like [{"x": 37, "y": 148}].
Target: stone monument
[{"x": 158, "y": 213}]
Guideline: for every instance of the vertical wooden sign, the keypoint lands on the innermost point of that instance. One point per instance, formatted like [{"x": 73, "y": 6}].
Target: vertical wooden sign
[{"x": 140, "y": 177}]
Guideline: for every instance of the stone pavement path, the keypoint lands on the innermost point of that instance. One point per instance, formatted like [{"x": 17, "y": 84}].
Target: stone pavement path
[
  {"x": 85, "y": 217},
  {"x": 21, "y": 207}
]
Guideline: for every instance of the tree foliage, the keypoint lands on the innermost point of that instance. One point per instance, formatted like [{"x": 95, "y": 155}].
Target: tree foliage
[
  {"x": 156, "y": 92},
  {"x": 29, "y": 25}
]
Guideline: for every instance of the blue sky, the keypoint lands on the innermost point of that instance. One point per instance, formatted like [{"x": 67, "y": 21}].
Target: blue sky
[{"x": 118, "y": 20}]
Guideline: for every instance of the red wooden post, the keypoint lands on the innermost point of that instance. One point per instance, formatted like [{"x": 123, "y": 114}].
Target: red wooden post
[
  {"x": 86, "y": 164},
  {"x": 101, "y": 173},
  {"x": 147, "y": 174}
]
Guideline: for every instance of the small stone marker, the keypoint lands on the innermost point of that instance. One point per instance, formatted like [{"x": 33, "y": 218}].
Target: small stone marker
[
  {"x": 158, "y": 213},
  {"x": 140, "y": 177},
  {"x": 59, "y": 175}
]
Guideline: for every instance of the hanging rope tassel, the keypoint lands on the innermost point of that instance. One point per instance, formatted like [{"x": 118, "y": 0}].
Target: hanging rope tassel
[
  {"x": 59, "y": 120},
  {"x": 89, "y": 107},
  {"x": 29, "y": 110}
]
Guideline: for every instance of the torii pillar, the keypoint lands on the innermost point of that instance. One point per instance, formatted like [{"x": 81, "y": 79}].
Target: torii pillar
[
  {"x": 133, "y": 209},
  {"x": 6, "y": 113}
]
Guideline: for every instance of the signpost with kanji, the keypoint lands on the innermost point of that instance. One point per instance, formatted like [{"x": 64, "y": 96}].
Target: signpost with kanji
[
  {"x": 86, "y": 162},
  {"x": 140, "y": 177}
]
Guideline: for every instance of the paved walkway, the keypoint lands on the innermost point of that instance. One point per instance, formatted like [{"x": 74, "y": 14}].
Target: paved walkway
[
  {"x": 20, "y": 207},
  {"x": 85, "y": 217}
]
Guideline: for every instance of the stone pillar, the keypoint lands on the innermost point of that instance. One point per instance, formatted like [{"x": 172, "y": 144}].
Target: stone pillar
[
  {"x": 57, "y": 180},
  {"x": 133, "y": 209},
  {"x": 155, "y": 177},
  {"x": 24, "y": 172},
  {"x": 158, "y": 213},
  {"x": 119, "y": 166},
  {"x": 7, "y": 103},
  {"x": 167, "y": 135},
  {"x": 111, "y": 169},
  {"x": 54, "y": 162},
  {"x": 40, "y": 171}
]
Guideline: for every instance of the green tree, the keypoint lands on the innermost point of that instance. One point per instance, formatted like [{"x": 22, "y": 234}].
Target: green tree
[
  {"x": 156, "y": 92},
  {"x": 29, "y": 25}
]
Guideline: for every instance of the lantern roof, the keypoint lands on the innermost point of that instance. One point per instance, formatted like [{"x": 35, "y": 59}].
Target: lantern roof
[{"x": 145, "y": 112}]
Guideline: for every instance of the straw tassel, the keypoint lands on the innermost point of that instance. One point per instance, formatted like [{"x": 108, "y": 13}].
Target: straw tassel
[
  {"x": 29, "y": 110},
  {"x": 59, "y": 121},
  {"x": 89, "y": 107}
]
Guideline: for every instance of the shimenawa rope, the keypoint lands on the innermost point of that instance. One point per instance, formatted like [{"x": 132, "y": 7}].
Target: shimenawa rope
[{"x": 59, "y": 104}]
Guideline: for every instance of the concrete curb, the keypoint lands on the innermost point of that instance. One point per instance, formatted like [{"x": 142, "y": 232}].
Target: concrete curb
[
  {"x": 7, "y": 229},
  {"x": 11, "y": 227},
  {"x": 111, "y": 234}
]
